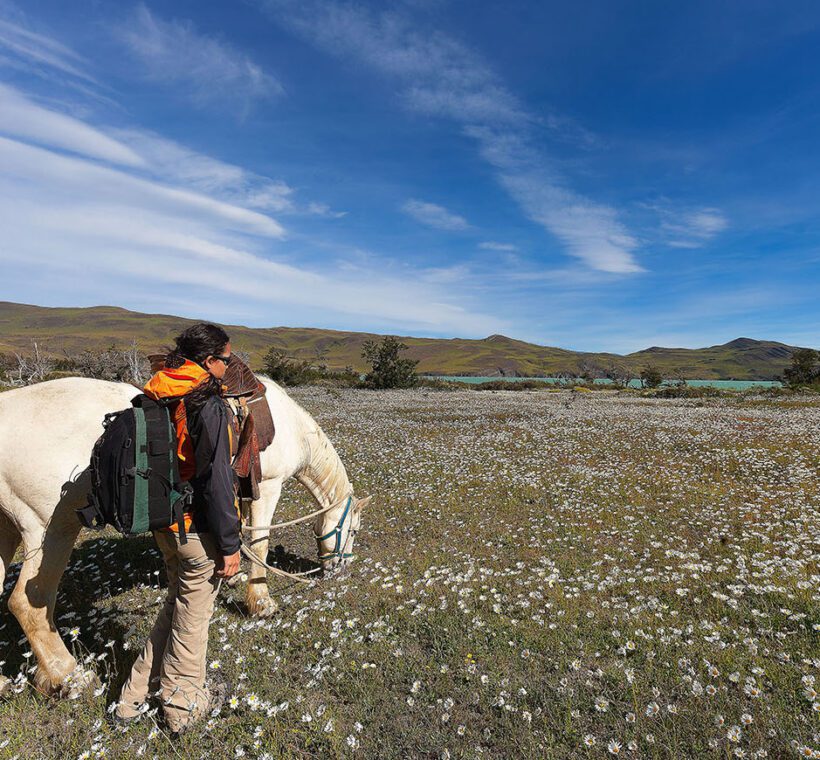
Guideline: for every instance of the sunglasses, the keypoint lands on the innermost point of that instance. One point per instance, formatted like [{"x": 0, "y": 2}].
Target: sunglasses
[{"x": 225, "y": 359}]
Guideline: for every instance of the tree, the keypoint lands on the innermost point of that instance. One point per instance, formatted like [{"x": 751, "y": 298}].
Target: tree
[
  {"x": 588, "y": 370},
  {"x": 387, "y": 368},
  {"x": 804, "y": 369},
  {"x": 321, "y": 353},
  {"x": 619, "y": 374},
  {"x": 26, "y": 370},
  {"x": 115, "y": 364},
  {"x": 565, "y": 378},
  {"x": 138, "y": 368},
  {"x": 680, "y": 379},
  {"x": 651, "y": 376}
]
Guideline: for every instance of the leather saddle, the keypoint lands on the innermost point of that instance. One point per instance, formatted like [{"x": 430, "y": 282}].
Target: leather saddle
[{"x": 252, "y": 424}]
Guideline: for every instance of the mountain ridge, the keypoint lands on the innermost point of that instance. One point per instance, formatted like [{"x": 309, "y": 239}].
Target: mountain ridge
[{"x": 68, "y": 330}]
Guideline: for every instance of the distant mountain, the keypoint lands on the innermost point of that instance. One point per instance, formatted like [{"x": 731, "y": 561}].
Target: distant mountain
[{"x": 61, "y": 331}]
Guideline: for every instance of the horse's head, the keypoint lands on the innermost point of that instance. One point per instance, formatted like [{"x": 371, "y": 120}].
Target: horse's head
[{"x": 335, "y": 532}]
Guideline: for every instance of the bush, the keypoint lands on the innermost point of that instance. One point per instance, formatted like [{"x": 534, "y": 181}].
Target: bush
[
  {"x": 285, "y": 370},
  {"x": 436, "y": 383},
  {"x": 288, "y": 371},
  {"x": 804, "y": 369},
  {"x": 684, "y": 391},
  {"x": 651, "y": 376},
  {"x": 387, "y": 368},
  {"x": 346, "y": 378},
  {"x": 510, "y": 385}
]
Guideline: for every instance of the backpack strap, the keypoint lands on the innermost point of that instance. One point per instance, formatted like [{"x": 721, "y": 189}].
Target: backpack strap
[{"x": 179, "y": 518}]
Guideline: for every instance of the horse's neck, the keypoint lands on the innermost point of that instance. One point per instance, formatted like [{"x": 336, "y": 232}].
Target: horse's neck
[{"x": 323, "y": 473}]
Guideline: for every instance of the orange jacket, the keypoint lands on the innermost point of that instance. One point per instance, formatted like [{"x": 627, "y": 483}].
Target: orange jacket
[{"x": 176, "y": 383}]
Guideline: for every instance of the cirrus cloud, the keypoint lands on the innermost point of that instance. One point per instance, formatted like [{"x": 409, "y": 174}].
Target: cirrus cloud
[
  {"x": 435, "y": 216},
  {"x": 440, "y": 76},
  {"x": 210, "y": 71}
]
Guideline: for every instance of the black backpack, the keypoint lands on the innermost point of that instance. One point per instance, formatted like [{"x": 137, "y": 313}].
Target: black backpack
[{"x": 135, "y": 483}]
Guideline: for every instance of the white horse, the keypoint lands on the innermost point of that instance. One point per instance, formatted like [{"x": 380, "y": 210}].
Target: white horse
[{"x": 47, "y": 433}]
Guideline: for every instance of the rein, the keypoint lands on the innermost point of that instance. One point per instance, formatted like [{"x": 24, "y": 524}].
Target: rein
[{"x": 337, "y": 531}]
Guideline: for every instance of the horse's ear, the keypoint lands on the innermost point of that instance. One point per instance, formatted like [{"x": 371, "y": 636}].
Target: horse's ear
[{"x": 362, "y": 503}]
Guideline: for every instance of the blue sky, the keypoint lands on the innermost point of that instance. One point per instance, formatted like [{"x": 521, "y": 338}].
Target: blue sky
[{"x": 593, "y": 175}]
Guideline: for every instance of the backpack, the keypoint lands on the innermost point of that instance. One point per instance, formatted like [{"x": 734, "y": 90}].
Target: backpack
[{"x": 135, "y": 484}]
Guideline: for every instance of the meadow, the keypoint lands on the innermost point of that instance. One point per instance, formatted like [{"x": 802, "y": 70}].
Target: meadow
[{"x": 540, "y": 575}]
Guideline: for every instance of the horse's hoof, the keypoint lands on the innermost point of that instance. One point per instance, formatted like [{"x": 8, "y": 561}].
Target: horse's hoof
[
  {"x": 79, "y": 682},
  {"x": 5, "y": 686},
  {"x": 71, "y": 686},
  {"x": 262, "y": 607}
]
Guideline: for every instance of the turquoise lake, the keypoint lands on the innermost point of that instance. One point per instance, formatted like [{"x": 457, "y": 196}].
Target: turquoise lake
[{"x": 733, "y": 385}]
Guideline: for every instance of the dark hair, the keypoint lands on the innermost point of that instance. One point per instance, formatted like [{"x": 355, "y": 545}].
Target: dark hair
[{"x": 196, "y": 344}]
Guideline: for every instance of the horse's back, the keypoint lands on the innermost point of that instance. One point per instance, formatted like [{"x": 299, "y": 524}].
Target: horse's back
[
  {"x": 58, "y": 408},
  {"x": 48, "y": 430}
]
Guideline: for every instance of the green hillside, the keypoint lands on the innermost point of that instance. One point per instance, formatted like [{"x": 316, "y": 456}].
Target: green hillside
[{"x": 61, "y": 331}]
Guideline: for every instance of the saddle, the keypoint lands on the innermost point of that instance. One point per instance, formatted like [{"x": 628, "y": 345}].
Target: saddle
[{"x": 252, "y": 425}]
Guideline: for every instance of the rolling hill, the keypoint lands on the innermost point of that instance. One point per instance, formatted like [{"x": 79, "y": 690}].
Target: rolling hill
[{"x": 60, "y": 331}]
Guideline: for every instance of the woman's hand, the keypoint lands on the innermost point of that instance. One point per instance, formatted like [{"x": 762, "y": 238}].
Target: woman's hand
[{"x": 229, "y": 566}]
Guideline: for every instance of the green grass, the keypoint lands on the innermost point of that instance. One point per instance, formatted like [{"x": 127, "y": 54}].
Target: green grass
[{"x": 526, "y": 555}]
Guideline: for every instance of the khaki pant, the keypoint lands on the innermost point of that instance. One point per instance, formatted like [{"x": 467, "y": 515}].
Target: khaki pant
[{"x": 173, "y": 659}]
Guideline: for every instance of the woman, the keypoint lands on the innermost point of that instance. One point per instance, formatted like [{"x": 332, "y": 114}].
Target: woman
[{"x": 173, "y": 659}]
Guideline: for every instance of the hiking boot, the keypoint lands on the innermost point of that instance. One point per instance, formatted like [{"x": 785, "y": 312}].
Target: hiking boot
[
  {"x": 118, "y": 720},
  {"x": 217, "y": 696}
]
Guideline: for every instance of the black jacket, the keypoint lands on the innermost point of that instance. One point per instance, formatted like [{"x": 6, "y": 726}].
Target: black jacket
[{"x": 214, "y": 509}]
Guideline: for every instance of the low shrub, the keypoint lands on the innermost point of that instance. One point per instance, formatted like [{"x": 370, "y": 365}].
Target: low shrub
[
  {"x": 288, "y": 371},
  {"x": 510, "y": 385},
  {"x": 686, "y": 391}
]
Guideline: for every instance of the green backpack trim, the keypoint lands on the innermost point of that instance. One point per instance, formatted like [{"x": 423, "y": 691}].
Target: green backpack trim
[{"x": 141, "y": 520}]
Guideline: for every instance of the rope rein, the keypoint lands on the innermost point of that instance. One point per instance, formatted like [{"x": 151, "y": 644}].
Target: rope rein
[
  {"x": 337, "y": 532},
  {"x": 269, "y": 528}
]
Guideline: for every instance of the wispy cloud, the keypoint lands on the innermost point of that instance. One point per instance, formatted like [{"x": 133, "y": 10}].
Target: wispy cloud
[
  {"x": 688, "y": 227},
  {"x": 435, "y": 216},
  {"x": 322, "y": 209},
  {"x": 441, "y": 77},
  {"x": 21, "y": 117},
  {"x": 114, "y": 187},
  {"x": 567, "y": 130},
  {"x": 115, "y": 215},
  {"x": 33, "y": 50},
  {"x": 207, "y": 69},
  {"x": 590, "y": 231},
  {"x": 169, "y": 160},
  {"x": 491, "y": 245},
  {"x": 156, "y": 157}
]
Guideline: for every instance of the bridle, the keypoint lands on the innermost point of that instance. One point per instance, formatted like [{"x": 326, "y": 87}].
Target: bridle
[{"x": 337, "y": 532}]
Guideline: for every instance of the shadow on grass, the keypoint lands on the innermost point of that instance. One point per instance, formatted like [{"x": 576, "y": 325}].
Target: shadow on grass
[
  {"x": 111, "y": 587},
  {"x": 93, "y": 598},
  {"x": 291, "y": 562}
]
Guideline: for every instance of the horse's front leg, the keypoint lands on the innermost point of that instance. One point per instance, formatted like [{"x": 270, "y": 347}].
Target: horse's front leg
[{"x": 258, "y": 599}]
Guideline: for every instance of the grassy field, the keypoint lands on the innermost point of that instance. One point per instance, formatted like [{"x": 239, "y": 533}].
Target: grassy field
[{"x": 541, "y": 575}]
